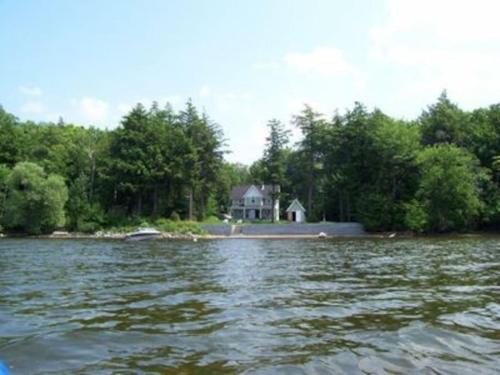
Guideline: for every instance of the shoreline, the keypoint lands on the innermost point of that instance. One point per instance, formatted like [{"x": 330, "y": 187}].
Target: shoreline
[
  {"x": 192, "y": 237},
  {"x": 187, "y": 237}
]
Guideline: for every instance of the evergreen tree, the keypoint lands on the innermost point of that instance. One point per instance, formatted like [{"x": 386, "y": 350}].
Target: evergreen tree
[
  {"x": 274, "y": 158},
  {"x": 312, "y": 125}
]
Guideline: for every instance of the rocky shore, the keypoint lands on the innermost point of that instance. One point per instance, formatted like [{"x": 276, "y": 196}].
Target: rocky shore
[{"x": 101, "y": 235}]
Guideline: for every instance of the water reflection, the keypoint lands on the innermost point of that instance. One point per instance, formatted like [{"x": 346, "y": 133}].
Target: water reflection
[{"x": 365, "y": 306}]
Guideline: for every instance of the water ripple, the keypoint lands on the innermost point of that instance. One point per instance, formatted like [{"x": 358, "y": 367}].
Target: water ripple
[{"x": 255, "y": 307}]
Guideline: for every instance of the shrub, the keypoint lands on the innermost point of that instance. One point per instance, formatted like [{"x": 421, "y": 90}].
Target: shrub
[
  {"x": 416, "y": 218},
  {"x": 448, "y": 189},
  {"x": 35, "y": 202},
  {"x": 174, "y": 216},
  {"x": 178, "y": 227},
  {"x": 88, "y": 227},
  {"x": 211, "y": 220}
]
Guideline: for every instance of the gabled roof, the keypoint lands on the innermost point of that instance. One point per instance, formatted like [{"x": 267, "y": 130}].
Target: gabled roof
[
  {"x": 253, "y": 192},
  {"x": 295, "y": 206},
  {"x": 239, "y": 191}
]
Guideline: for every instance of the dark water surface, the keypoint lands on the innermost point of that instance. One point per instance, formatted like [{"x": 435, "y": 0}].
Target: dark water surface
[{"x": 251, "y": 306}]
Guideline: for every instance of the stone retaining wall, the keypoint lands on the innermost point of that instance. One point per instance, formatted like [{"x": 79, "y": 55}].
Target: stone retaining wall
[
  {"x": 330, "y": 229},
  {"x": 217, "y": 229}
]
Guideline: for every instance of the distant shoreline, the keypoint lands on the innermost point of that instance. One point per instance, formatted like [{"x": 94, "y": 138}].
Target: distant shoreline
[
  {"x": 186, "y": 237},
  {"x": 191, "y": 237}
]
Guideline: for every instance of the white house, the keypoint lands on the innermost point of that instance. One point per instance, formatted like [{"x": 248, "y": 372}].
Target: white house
[
  {"x": 296, "y": 212},
  {"x": 254, "y": 202}
]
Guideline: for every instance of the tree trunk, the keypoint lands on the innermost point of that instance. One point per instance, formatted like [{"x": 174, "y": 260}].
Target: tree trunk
[
  {"x": 92, "y": 179},
  {"x": 273, "y": 201},
  {"x": 348, "y": 202},
  {"x": 201, "y": 210},
  {"x": 155, "y": 200},
  {"x": 191, "y": 204},
  {"x": 341, "y": 207},
  {"x": 139, "y": 204},
  {"x": 310, "y": 195}
]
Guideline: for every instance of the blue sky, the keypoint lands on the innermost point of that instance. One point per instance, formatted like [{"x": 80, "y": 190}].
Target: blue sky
[{"x": 244, "y": 62}]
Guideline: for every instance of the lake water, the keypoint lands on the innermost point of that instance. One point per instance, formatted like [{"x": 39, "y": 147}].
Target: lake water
[{"x": 251, "y": 306}]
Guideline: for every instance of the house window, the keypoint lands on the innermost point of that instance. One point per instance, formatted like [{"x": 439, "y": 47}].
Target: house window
[{"x": 253, "y": 200}]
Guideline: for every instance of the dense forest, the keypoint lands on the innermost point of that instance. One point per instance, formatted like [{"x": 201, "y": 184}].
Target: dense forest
[{"x": 438, "y": 173}]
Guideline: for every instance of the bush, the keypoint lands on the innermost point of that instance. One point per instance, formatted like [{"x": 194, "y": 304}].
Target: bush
[
  {"x": 178, "y": 227},
  {"x": 378, "y": 212},
  {"x": 416, "y": 218},
  {"x": 174, "y": 216},
  {"x": 88, "y": 227},
  {"x": 448, "y": 189},
  {"x": 211, "y": 220},
  {"x": 4, "y": 174},
  {"x": 35, "y": 202},
  {"x": 91, "y": 220}
]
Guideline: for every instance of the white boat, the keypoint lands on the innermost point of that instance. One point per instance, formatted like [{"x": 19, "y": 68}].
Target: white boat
[{"x": 143, "y": 234}]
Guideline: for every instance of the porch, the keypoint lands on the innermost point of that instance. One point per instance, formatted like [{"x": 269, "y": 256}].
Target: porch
[{"x": 251, "y": 213}]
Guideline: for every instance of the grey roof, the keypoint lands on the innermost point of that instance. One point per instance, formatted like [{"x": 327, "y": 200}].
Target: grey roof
[
  {"x": 295, "y": 206},
  {"x": 239, "y": 191}
]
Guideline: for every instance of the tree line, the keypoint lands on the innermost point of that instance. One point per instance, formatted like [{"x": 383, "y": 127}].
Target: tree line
[
  {"x": 157, "y": 163},
  {"x": 437, "y": 173}
]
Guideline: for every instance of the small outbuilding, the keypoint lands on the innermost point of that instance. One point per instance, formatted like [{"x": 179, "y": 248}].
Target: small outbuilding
[{"x": 296, "y": 212}]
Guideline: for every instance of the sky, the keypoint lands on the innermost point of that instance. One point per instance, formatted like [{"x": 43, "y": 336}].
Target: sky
[{"x": 244, "y": 62}]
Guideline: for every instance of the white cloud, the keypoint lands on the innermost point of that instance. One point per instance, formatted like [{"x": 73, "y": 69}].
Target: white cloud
[
  {"x": 322, "y": 60},
  {"x": 455, "y": 21},
  {"x": 326, "y": 62},
  {"x": 37, "y": 111},
  {"x": 93, "y": 109},
  {"x": 30, "y": 90},
  {"x": 33, "y": 107},
  {"x": 442, "y": 44}
]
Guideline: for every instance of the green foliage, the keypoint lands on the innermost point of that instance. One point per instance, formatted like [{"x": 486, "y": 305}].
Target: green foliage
[
  {"x": 35, "y": 202},
  {"x": 178, "y": 227},
  {"x": 211, "y": 208},
  {"x": 365, "y": 166},
  {"x": 82, "y": 215},
  {"x": 211, "y": 220},
  {"x": 274, "y": 158},
  {"x": 448, "y": 189},
  {"x": 495, "y": 165},
  {"x": 158, "y": 158},
  {"x": 444, "y": 122},
  {"x": 416, "y": 218},
  {"x": 379, "y": 212},
  {"x": 311, "y": 148},
  {"x": 438, "y": 173},
  {"x": 10, "y": 139},
  {"x": 174, "y": 216},
  {"x": 4, "y": 174}
]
